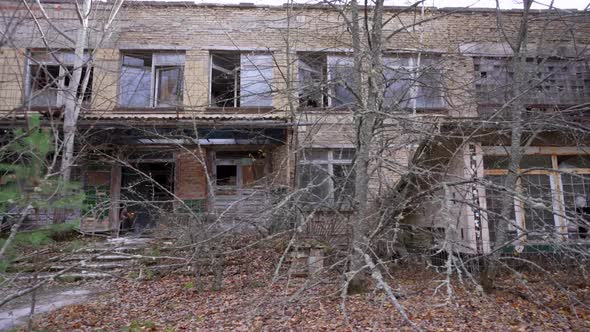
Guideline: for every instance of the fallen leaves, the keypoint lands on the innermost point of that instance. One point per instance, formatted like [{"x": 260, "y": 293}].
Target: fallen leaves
[{"x": 249, "y": 301}]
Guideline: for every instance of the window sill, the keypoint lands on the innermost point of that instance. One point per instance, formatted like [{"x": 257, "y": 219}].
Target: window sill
[
  {"x": 121, "y": 109},
  {"x": 240, "y": 110}
]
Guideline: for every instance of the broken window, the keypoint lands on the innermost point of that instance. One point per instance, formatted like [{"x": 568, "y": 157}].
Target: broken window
[
  {"x": 312, "y": 80},
  {"x": 152, "y": 79},
  {"x": 547, "y": 81},
  {"x": 409, "y": 82},
  {"x": 241, "y": 79},
  {"x": 327, "y": 176},
  {"x": 50, "y": 75}
]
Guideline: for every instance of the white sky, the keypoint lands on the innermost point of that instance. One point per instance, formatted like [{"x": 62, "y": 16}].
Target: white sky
[{"x": 504, "y": 4}]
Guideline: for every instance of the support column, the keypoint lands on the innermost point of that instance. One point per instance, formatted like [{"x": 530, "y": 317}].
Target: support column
[{"x": 115, "y": 195}]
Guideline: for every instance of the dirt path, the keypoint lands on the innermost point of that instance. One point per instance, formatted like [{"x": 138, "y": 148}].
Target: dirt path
[{"x": 17, "y": 312}]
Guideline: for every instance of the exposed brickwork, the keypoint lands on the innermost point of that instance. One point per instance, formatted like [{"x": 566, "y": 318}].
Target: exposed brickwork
[
  {"x": 191, "y": 182},
  {"x": 95, "y": 178},
  {"x": 12, "y": 69}
]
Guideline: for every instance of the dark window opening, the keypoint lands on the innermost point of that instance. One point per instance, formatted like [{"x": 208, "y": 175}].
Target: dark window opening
[
  {"x": 88, "y": 91},
  {"x": 225, "y": 79},
  {"x": 226, "y": 175},
  {"x": 312, "y": 74},
  {"x": 241, "y": 79}
]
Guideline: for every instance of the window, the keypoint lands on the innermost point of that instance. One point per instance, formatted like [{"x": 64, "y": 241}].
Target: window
[
  {"x": 548, "y": 81},
  {"x": 575, "y": 182},
  {"x": 312, "y": 72},
  {"x": 554, "y": 196},
  {"x": 50, "y": 75},
  {"x": 494, "y": 197},
  {"x": 410, "y": 82},
  {"x": 151, "y": 79},
  {"x": 241, "y": 79},
  {"x": 327, "y": 176}
]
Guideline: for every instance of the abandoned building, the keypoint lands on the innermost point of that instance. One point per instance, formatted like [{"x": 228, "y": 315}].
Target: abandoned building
[{"x": 227, "y": 108}]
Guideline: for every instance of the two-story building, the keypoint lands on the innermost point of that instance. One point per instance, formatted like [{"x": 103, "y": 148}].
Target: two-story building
[{"x": 227, "y": 107}]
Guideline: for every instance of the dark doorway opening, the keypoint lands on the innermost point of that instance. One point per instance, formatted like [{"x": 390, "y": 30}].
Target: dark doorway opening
[{"x": 146, "y": 192}]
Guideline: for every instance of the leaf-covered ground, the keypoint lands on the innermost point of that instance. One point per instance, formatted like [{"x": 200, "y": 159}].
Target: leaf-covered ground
[{"x": 249, "y": 301}]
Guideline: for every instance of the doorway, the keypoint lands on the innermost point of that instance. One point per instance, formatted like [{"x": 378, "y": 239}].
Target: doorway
[{"x": 146, "y": 191}]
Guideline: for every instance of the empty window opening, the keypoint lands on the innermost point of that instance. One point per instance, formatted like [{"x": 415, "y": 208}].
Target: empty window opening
[
  {"x": 225, "y": 79},
  {"x": 241, "y": 79},
  {"x": 152, "y": 79},
  {"x": 312, "y": 74},
  {"x": 227, "y": 175}
]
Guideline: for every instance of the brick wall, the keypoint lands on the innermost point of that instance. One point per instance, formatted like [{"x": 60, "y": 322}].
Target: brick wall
[
  {"x": 12, "y": 69},
  {"x": 190, "y": 179},
  {"x": 95, "y": 178},
  {"x": 105, "y": 81}
]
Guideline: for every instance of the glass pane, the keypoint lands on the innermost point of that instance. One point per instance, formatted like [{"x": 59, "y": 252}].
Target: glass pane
[
  {"x": 494, "y": 200},
  {"x": 429, "y": 92},
  {"x": 343, "y": 154},
  {"x": 343, "y": 184},
  {"x": 315, "y": 154},
  {"x": 398, "y": 88},
  {"x": 256, "y": 73},
  {"x": 538, "y": 206},
  {"x": 135, "y": 86},
  {"x": 169, "y": 86},
  {"x": 530, "y": 161},
  {"x": 495, "y": 162},
  {"x": 168, "y": 59},
  {"x": 576, "y": 197},
  {"x": 578, "y": 161},
  {"x": 341, "y": 81},
  {"x": 44, "y": 85},
  {"x": 314, "y": 180}
]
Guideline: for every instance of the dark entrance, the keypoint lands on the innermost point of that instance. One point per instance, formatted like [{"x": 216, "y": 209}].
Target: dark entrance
[{"x": 145, "y": 193}]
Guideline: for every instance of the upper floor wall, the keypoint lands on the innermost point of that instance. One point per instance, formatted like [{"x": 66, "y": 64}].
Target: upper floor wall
[{"x": 218, "y": 43}]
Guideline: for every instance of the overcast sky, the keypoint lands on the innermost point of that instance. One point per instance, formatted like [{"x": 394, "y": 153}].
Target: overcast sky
[{"x": 505, "y": 4}]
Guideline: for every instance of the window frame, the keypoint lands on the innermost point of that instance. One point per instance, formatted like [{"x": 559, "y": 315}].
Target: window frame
[
  {"x": 64, "y": 61},
  {"x": 414, "y": 67},
  {"x": 562, "y": 224},
  {"x": 238, "y": 75},
  {"x": 154, "y": 75},
  {"x": 330, "y": 162}
]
